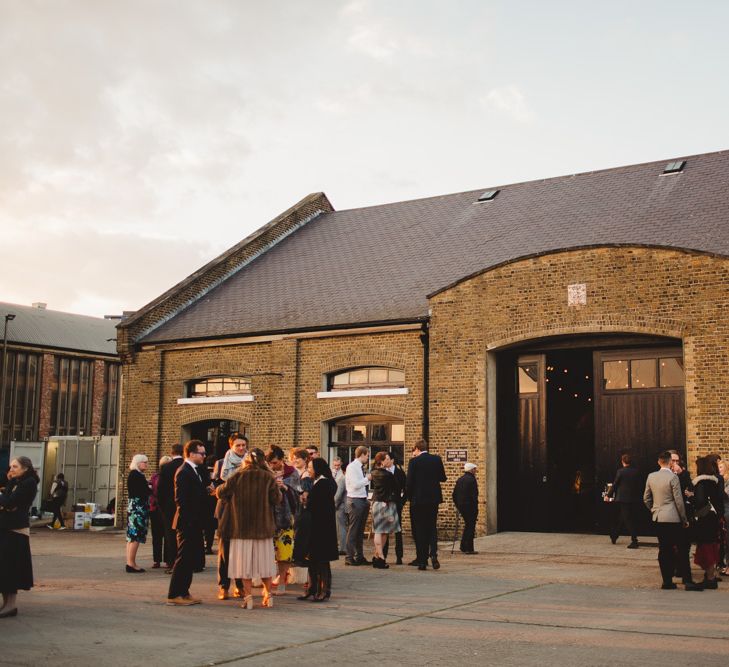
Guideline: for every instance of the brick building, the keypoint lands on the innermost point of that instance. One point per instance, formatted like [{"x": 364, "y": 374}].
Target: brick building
[
  {"x": 544, "y": 327},
  {"x": 59, "y": 376}
]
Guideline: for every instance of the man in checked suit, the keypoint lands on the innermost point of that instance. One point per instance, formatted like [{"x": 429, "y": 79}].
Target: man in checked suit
[
  {"x": 663, "y": 498},
  {"x": 425, "y": 474},
  {"x": 189, "y": 522}
]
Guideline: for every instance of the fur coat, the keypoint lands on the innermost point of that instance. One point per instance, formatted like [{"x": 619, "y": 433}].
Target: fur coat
[{"x": 249, "y": 496}]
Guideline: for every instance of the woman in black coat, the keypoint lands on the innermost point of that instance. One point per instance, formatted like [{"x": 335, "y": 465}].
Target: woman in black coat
[
  {"x": 16, "y": 567},
  {"x": 708, "y": 508},
  {"x": 323, "y": 543}
]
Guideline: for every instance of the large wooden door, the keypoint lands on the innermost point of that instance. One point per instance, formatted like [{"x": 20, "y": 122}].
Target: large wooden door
[
  {"x": 531, "y": 460},
  {"x": 639, "y": 408}
]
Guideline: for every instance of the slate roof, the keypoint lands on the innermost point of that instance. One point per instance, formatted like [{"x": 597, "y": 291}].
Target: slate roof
[
  {"x": 54, "y": 329},
  {"x": 379, "y": 263}
]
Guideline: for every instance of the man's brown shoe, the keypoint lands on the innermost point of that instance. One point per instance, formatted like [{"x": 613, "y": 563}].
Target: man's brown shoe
[
  {"x": 192, "y": 600},
  {"x": 180, "y": 602},
  {"x": 223, "y": 593}
]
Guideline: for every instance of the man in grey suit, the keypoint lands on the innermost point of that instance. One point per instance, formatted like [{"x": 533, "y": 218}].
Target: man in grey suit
[{"x": 663, "y": 498}]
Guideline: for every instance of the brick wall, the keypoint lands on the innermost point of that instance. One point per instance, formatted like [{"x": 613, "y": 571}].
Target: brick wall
[
  {"x": 629, "y": 290},
  {"x": 286, "y": 375}
]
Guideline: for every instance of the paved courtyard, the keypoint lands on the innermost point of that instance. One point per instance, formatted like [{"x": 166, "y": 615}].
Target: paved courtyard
[{"x": 526, "y": 599}]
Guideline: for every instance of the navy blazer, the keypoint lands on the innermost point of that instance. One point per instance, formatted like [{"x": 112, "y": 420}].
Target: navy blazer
[
  {"x": 425, "y": 473},
  {"x": 191, "y": 499}
]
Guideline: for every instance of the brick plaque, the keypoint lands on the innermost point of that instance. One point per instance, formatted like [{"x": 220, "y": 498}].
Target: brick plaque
[
  {"x": 456, "y": 455},
  {"x": 577, "y": 294}
]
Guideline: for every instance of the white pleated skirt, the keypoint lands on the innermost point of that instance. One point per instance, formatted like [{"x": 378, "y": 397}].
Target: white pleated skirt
[{"x": 251, "y": 559}]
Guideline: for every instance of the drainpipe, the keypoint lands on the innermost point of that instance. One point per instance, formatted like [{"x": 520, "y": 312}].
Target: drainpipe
[
  {"x": 425, "y": 340},
  {"x": 160, "y": 404}
]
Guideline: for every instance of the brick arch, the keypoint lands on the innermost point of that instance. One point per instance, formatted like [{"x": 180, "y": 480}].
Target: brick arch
[
  {"x": 602, "y": 324},
  {"x": 346, "y": 407},
  {"x": 197, "y": 413},
  {"x": 358, "y": 358}
]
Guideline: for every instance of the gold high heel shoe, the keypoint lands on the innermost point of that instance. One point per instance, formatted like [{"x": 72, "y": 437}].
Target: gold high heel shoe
[
  {"x": 247, "y": 602},
  {"x": 267, "y": 601}
]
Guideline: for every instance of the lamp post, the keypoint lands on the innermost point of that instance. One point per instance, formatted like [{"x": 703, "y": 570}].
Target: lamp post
[{"x": 9, "y": 317}]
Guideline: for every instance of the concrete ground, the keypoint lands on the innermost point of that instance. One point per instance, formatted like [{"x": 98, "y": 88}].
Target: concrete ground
[{"x": 526, "y": 599}]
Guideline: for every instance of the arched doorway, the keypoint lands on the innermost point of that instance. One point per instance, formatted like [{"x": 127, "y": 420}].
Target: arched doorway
[{"x": 567, "y": 408}]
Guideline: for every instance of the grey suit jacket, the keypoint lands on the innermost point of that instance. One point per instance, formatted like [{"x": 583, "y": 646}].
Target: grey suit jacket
[{"x": 663, "y": 498}]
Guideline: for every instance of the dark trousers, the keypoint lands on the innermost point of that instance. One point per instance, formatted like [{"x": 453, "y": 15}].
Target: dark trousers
[
  {"x": 357, "y": 511},
  {"x": 223, "y": 556},
  {"x": 211, "y": 525},
  {"x": 170, "y": 542},
  {"x": 56, "y": 506},
  {"x": 157, "y": 524},
  {"x": 625, "y": 514},
  {"x": 683, "y": 560},
  {"x": 469, "y": 528},
  {"x": 398, "y": 538},
  {"x": 190, "y": 550},
  {"x": 433, "y": 547},
  {"x": 424, "y": 520},
  {"x": 320, "y": 577},
  {"x": 670, "y": 539}
]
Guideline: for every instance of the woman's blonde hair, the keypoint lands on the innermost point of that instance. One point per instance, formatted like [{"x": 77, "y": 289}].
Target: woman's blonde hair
[
  {"x": 136, "y": 460},
  {"x": 164, "y": 459}
]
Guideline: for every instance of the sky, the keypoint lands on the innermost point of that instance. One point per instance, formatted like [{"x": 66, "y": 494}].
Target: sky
[{"x": 140, "y": 139}]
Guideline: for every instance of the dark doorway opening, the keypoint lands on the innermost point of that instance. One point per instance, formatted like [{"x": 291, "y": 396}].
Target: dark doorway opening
[
  {"x": 567, "y": 408},
  {"x": 570, "y": 441},
  {"x": 214, "y": 434}
]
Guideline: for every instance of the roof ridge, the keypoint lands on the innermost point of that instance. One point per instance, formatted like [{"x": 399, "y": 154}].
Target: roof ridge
[{"x": 591, "y": 172}]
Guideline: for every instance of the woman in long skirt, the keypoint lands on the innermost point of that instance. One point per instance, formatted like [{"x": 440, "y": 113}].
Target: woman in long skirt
[{"x": 16, "y": 567}]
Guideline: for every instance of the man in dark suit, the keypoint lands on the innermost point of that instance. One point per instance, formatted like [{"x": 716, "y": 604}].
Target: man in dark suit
[
  {"x": 425, "y": 474},
  {"x": 627, "y": 490},
  {"x": 189, "y": 522},
  {"x": 166, "y": 501}
]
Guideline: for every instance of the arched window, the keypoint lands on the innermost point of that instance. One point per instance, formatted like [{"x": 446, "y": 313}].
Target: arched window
[
  {"x": 366, "y": 378},
  {"x": 218, "y": 386},
  {"x": 377, "y": 432}
]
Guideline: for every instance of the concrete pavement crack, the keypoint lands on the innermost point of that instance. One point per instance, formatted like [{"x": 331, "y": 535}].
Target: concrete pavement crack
[
  {"x": 573, "y": 627},
  {"x": 367, "y": 628}
]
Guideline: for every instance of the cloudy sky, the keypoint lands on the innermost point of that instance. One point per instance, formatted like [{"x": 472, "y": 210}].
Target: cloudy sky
[{"x": 139, "y": 139}]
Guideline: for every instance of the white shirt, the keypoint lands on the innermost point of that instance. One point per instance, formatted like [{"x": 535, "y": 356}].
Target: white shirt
[{"x": 355, "y": 480}]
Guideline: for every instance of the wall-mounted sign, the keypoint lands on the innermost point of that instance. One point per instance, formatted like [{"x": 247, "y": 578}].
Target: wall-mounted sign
[
  {"x": 577, "y": 294},
  {"x": 456, "y": 455}
]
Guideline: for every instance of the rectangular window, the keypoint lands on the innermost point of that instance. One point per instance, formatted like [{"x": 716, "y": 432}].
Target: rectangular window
[
  {"x": 110, "y": 409},
  {"x": 528, "y": 379},
  {"x": 616, "y": 375},
  {"x": 671, "y": 372},
  {"x": 643, "y": 374},
  {"x": 22, "y": 394},
  {"x": 71, "y": 396}
]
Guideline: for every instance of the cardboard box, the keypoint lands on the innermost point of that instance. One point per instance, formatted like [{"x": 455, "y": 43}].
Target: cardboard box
[{"x": 81, "y": 521}]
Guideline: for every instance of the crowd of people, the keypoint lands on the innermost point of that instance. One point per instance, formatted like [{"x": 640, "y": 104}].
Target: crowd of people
[
  {"x": 282, "y": 518},
  {"x": 684, "y": 511}
]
